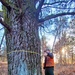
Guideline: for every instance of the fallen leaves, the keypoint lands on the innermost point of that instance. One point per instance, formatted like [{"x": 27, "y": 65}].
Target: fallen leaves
[{"x": 65, "y": 70}]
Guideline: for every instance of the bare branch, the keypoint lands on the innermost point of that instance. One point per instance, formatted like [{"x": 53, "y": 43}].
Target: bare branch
[
  {"x": 1, "y": 41},
  {"x": 57, "y": 29},
  {"x": 1, "y": 28},
  {"x": 55, "y": 2},
  {"x": 56, "y": 15},
  {"x": 39, "y": 7},
  {"x": 5, "y": 25},
  {"x": 56, "y": 7},
  {"x": 6, "y": 4}
]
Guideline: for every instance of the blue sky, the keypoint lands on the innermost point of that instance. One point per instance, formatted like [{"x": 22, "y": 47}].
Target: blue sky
[
  {"x": 0, "y": 6},
  {"x": 1, "y": 31}
]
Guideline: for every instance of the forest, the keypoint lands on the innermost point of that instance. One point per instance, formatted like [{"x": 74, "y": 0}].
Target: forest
[{"x": 28, "y": 27}]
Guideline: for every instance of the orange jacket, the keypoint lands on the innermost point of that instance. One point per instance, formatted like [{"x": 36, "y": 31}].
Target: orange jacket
[{"x": 49, "y": 62}]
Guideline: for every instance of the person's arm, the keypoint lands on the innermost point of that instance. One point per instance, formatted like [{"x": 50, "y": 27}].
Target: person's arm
[{"x": 50, "y": 55}]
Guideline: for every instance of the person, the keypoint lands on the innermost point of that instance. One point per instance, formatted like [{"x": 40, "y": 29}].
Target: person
[{"x": 48, "y": 62}]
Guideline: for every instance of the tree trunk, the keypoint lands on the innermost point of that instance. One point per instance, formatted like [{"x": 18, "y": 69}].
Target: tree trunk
[
  {"x": 72, "y": 55},
  {"x": 23, "y": 44},
  {"x": 60, "y": 59}
]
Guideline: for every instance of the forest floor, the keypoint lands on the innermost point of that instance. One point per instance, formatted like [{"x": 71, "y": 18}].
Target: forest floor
[
  {"x": 64, "y": 70},
  {"x": 59, "y": 69},
  {"x": 3, "y": 68}
]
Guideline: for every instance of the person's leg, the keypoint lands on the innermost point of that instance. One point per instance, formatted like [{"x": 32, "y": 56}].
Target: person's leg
[
  {"x": 46, "y": 71},
  {"x": 51, "y": 71}
]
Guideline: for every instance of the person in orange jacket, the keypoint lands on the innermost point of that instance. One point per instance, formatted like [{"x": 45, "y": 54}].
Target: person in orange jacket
[{"x": 49, "y": 62}]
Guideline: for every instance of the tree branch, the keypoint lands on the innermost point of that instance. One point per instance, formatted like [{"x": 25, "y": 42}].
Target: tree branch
[
  {"x": 6, "y": 4},
  {"x": 35, "y": 1},
  {"x": 2, "y": 40},
  {"x": 56, "y": 7},
  {"x": 5, "y": 25},
  {"x": 39, "y": 7},
  {"x": 55, "y": 15},
  {"x": 55, "y": 2}
]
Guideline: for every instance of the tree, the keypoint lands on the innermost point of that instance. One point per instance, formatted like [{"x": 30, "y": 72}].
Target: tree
[
  {"x": 71, "y": 38},
  {"x": 22, "y": 18},
  {"x": 43, "y": 47},
  {"x": 43, "y": 43}
]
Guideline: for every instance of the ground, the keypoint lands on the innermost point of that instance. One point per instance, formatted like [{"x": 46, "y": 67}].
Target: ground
[
  {"x": 59, "y": 69},
  {"x": 3, "y": 68},
  {"x": 64, "y": 70}
]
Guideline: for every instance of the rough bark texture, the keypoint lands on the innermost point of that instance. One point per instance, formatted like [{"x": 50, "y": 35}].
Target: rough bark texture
[{"x": 22, "y": 39}]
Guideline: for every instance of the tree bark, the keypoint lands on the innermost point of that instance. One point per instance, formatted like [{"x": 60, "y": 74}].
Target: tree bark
[{"x": 23, "y": 44}]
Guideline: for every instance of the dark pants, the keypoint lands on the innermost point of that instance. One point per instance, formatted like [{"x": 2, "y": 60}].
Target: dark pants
[{"x": 49, "y": 71}]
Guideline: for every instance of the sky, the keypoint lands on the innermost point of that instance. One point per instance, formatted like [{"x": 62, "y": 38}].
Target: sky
[
  {"x": 1, "y": 31},
  {"x": 0, "y": 6},
  {"x": 49, "y": 38}
]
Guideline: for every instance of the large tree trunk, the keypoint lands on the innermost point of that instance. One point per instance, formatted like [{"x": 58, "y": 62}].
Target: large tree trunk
[{"x": 23, "y": 44}]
